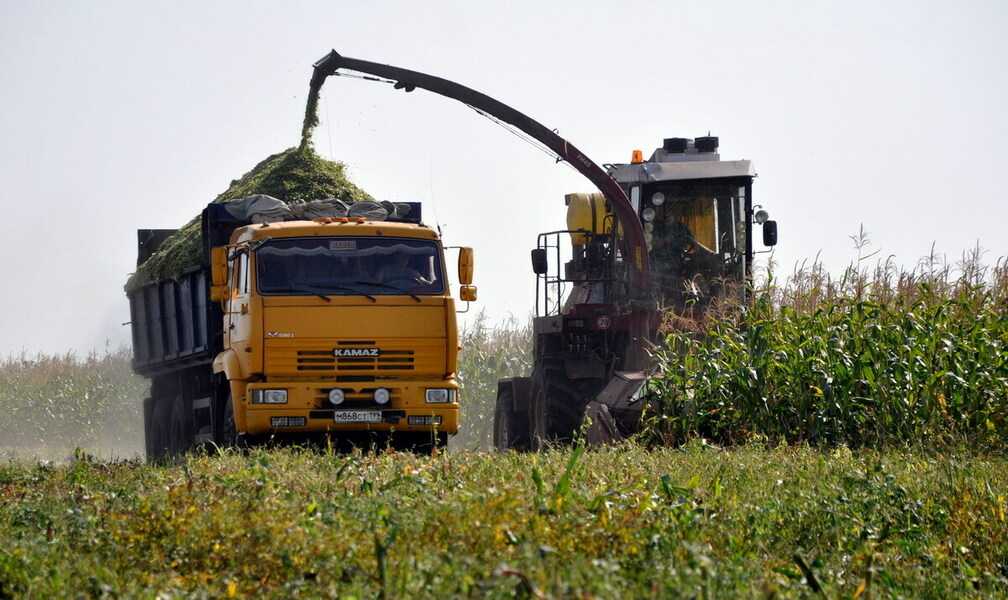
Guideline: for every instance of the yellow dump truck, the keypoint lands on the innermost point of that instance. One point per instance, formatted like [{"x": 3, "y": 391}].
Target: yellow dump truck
[{"x": 341, "y": 327}]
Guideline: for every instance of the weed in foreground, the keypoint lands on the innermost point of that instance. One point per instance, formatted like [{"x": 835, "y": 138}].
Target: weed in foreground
[{"x": 623, "y": 522}]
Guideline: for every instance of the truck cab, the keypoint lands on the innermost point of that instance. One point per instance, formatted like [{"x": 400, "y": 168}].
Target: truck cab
[{"x": 337, "y": 325}]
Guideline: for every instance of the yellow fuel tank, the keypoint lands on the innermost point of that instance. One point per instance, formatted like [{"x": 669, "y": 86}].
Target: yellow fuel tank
[{"x": 587, "y": 212}]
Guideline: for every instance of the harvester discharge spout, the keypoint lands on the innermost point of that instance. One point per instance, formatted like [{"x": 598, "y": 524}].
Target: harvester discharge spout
[{"x": 616, "y": 375}]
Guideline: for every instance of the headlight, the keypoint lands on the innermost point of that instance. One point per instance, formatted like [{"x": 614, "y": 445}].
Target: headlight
[
  {"x": 424, "y": 420},
  {"x": 336, "y": 396},
  {"x": 381, "y": 396},
  {"x": 648, "y": 214},
  {"x": 269, "y": 396},
  {"x": 658, "y": 199},
  {"x": 440, "y": 396},
  {"x": 287, "y": 422}
]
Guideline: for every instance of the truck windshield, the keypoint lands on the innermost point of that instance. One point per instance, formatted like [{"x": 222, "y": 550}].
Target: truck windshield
[
  {"x": 349, "y": 266},
  {"x": 697, "y": 241}
]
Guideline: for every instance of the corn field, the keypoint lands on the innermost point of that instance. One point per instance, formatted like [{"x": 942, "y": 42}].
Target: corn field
[
  {"x": 489, "y": 352},
  {"x": 51, "y": 405},
  {"x": 879, "y": 356}
]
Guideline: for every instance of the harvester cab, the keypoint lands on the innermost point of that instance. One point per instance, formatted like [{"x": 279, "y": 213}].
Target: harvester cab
[{"x": 698, "y": 217}]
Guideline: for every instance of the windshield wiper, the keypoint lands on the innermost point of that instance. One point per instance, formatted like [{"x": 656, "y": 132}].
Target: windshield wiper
[
  {"x": 291, "y": 290},
  {"x": 352, "y": 290},
  {"x": 390, "y": 287},
  {"x": 317, "y": 290},
  {"x": 250, "y": 248}
]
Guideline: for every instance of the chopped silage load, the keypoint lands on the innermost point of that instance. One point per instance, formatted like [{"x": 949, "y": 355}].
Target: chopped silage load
[{"x": 293, "y": 176}]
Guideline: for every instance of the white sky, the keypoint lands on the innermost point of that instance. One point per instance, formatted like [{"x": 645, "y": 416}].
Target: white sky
[{"x": 116, "y": 116}]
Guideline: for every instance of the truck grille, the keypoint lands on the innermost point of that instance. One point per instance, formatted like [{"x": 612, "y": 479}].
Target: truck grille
[
  {"x": 320, "y": 360},
  {"x": 399, "y": 357}
]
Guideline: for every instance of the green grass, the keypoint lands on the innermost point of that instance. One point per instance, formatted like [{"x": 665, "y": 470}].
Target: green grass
[{"x": 696, "y": 522}]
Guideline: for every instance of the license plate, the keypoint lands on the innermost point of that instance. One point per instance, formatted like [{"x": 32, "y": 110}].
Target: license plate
[{"x": 358, "y": 416}]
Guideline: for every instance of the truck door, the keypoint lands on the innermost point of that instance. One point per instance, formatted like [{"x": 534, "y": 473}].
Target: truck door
[{"x": 238, "y": 322}]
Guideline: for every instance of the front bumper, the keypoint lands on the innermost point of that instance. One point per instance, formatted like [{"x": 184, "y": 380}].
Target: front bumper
[{"x": 308, "y": 409}]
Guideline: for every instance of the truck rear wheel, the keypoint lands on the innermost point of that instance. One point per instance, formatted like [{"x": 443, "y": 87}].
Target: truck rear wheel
[
  {"x": 511, "y": 427},
  {"x": 148, "y": 416},
  {"x": 157, "y": 435},
  {"x": 180, "y": 432}
]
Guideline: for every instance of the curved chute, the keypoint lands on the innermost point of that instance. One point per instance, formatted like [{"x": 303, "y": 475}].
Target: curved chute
[{"x": 635, "y": 245}]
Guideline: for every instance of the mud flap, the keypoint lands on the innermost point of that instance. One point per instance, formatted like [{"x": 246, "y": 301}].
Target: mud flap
[{"x": 616, "y": 411}]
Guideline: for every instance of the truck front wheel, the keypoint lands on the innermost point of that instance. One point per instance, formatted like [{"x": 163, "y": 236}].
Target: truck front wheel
[
  {"x": 419, "y": 442},
  {"x": 229, "y": 431}
]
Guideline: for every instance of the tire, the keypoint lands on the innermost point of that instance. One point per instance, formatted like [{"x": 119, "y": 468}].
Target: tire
[
  {"x": 541, "y": 434},
  {"x": 158, "y": 442},
  {"x": 511, "y": 427},
  {"x": 229, "y": 431},
  {"x": 429, "y": 441},
  {"x": 180, "y": 432},
  {"x": 150, "y": 445},
  {"x": 419, "y": 442},
  {"x": 557, "y": 407}
]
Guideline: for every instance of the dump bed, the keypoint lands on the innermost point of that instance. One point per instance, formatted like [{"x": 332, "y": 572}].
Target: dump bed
[{"x": 175, "y": 325}]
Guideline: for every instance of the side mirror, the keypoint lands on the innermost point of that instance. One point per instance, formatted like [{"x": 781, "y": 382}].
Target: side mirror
[
  {"x": 465, "y": 267},
  {"x": 770, "y": 233},
  {"x": 218, "y": 274},
  {"x": 218, "y": 293},
  {"x": 218, "y": 266},
  {"x": 540, "y": 265},
  {"x": 467, "y": 293}
]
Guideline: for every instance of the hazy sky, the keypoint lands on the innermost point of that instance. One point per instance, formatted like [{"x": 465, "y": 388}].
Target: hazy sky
[{"x": 120, "y": 115}]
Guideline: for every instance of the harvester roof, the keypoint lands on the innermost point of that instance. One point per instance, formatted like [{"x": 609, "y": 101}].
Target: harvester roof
[{"x": 680, "y": 159}]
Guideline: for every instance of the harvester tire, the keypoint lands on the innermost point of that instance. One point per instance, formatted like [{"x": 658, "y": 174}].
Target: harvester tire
[
  {"x": 511, "y": 427},
  {"x": 557, "y": 407}
]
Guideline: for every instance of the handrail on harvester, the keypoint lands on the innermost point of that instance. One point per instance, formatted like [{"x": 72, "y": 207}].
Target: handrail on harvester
[{"x": 635, "y": 245}]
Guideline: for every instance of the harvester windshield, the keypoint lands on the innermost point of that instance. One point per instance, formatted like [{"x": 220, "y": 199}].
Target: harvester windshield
[
  {"x": 349, "y": 265},
  {"x": 697, "y": 213},
  {"x": 696, "y": 234}
]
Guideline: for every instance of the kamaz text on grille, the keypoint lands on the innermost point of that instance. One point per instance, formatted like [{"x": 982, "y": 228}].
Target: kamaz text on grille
[{"x": 339, "y": 352}]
